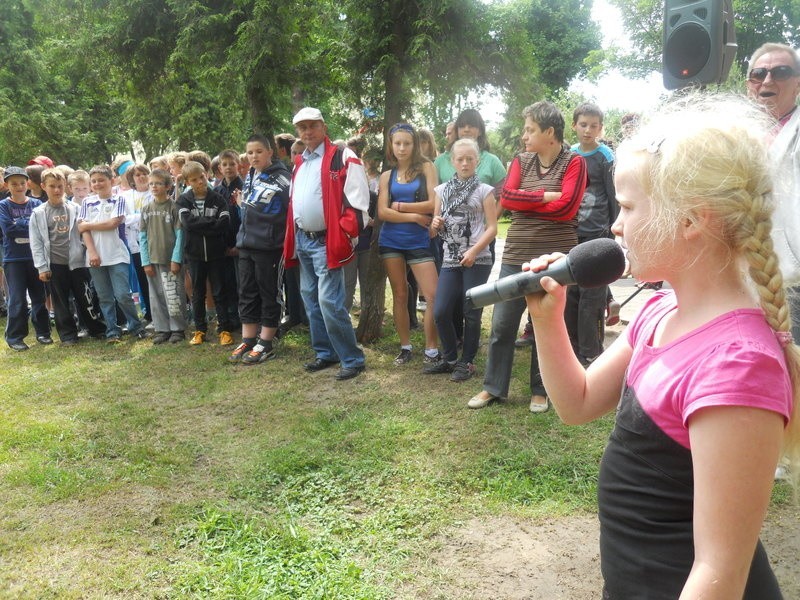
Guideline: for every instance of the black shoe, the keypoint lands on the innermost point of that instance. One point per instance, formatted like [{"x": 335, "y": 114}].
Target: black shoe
[
  {"x": 318, "y": 364},
  {"x": 349, "y": 372},
  {"x": 18, "y": 346},
  {"x": 403, "y": 357},
  {"x": 44, "y": 339},
  {"x": 161, "y": 337},
  {"x": 441, "y": 366},
  {"x": 262, "y": 351}
]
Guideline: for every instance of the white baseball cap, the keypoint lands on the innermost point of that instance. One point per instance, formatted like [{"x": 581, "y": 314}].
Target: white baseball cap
[{"x": 308, "y": 114}]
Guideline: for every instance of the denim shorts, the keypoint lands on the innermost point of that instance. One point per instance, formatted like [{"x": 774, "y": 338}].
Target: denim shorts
[{"x": 412, "y": 257}]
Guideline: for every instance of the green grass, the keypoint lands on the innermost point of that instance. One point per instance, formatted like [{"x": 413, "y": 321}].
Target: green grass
[
  {"x": 502, "y": 227},
  {"x": 140, "y": 471}
]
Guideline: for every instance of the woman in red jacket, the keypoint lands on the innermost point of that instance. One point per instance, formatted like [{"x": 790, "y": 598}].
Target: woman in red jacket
[{"x": 543, "y": 191}]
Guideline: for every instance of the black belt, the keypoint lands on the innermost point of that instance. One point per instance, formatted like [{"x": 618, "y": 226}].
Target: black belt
[{"x": 313, "y": 235}]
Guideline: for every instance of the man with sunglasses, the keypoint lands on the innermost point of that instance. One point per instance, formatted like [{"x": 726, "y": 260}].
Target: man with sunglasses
[{"x": 774, "y": 82}]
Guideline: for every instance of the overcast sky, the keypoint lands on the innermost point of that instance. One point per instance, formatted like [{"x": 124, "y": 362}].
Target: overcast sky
[{"x": 611, "y": 90}]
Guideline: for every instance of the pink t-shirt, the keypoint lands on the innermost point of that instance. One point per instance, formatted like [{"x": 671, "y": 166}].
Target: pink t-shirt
[{"x": 733, "y": 360}]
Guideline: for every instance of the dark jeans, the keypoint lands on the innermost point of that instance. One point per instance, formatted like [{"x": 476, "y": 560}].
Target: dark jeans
[
  {"x": 258, "y": 287},
  {"x": 23, "y": 280},
  {"x": 294, "y": 299},
  {"x": 585, "y": 314},
  {"x": 214, "y": 272},
  {"x": 232, "y": 287},
  {"x": 64, "y": 282},
  {"x": 450, "y": 295},
  {"x": 585, "y": 318}
]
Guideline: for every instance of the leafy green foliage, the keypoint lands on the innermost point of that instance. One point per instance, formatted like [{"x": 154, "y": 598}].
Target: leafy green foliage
[{"x": 84, "y": 80}]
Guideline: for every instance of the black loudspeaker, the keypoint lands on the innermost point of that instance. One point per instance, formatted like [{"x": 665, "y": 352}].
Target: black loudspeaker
[{"x": 699, "y": 42}]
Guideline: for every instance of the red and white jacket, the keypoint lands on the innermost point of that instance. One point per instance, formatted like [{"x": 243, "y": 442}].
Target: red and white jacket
[{"x": 345, "y": 199}]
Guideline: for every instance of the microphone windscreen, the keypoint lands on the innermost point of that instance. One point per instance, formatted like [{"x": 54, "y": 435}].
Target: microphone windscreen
[{"x": 597, "y": 262}]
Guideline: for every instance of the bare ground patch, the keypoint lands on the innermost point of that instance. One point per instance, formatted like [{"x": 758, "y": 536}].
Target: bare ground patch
[{"x": 520, "y": 559}]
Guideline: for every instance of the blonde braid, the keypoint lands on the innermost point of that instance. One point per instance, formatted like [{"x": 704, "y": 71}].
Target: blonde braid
[
  {"x": 765, "y": 272},
  {"x": 764, "y": 269}
]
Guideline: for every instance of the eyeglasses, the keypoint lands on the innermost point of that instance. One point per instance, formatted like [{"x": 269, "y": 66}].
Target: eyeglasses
[{"x": 779, "y": 73}]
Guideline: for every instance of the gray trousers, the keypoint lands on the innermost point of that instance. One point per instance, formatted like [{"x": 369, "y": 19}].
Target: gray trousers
[
  {"x": 355, "y": 270},
  {"x": 505, "y": 323},
  {"x": 167, "y": 300}
]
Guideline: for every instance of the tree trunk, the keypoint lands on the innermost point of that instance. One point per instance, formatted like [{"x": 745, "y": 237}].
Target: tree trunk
[{"x": 370, "y": 323}]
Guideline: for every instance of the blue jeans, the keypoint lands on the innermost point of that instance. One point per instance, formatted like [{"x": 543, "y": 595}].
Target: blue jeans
[
  {"x": 450, "y": 295},
  {"x": 332, "y": 334},
  {"x": 112, "y": 282},
  {"x": 23, "y": 281},
  {"x": 505, "y": 322}
]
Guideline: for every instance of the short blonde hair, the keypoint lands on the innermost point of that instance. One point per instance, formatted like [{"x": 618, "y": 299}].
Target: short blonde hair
[
  {"x": 465, "y": 143},
  {"x": 159, "y": 162},
  {"x": 179, "y": 158},
  {"x": 79, "y": 175},
  {"x": 193, "y": 167},
  {"x": 706, "y": 154},
  {"x": 54, "y": 173}
]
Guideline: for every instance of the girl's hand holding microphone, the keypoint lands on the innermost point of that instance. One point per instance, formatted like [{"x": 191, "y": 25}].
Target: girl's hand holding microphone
[{"x": 550, "y": 304}]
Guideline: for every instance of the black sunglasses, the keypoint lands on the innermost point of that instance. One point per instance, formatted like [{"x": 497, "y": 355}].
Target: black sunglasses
[{"x": 779, "y": 73}]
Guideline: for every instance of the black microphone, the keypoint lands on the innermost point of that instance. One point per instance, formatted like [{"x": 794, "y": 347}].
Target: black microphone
[{"x": 591, "y": 264}]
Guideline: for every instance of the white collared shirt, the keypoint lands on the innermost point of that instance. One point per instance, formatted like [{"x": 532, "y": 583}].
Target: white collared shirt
[{"x": 307, "y": 207}]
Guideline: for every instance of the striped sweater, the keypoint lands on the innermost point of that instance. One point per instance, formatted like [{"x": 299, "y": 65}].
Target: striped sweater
[{"x": 539, "y": 227}]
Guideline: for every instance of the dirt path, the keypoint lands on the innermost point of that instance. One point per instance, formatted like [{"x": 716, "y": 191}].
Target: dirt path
[{"x": 515, "y": 559}]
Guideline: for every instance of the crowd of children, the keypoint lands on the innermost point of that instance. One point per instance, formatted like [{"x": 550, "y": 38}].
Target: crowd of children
[
  {"x": 144, "y": 249},
  {"x": 704, "y": 380}
]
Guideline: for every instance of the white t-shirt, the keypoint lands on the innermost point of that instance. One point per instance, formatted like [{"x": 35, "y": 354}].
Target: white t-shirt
[{"x": 110, "y": 244}]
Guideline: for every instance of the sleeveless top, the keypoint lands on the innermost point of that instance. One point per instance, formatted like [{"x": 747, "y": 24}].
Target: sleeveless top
[{"x": 405, "y": 236}]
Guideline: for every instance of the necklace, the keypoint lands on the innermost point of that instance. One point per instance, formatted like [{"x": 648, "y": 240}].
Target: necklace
[{"x": 552, "y": 162}]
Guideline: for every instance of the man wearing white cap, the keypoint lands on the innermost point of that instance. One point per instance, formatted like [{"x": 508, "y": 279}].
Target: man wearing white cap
[{"x": 328, "y": 207}]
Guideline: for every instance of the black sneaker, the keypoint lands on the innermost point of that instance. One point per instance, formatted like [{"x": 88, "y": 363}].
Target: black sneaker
[
  {"x": 142, "y": 334},
  {"x": 403, "y": 357},
  {"x": 176, "y": 337},
  {"x": 441, "y": 366},
  {"x": 462, "y": 371},
  {"x": 429, "y": 360},
  {"x": 44, "y": 339},
  {"x": 260, "y": 352}
]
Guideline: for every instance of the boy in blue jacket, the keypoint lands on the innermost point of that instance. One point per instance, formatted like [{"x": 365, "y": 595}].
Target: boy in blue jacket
[{"x": 263, "y": 204}]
